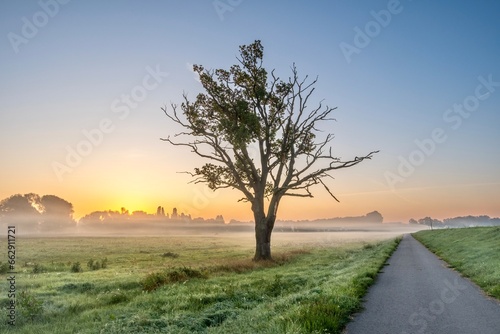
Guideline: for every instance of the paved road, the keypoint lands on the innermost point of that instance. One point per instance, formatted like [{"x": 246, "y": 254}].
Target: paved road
[{"x": 417, "y": 293}]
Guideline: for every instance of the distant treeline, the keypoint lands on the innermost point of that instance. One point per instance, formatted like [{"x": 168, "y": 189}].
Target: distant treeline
[
  {"x": 32, "y": 213},
  {"x": 372, "y": 217},
  {"x": 123, "y": 217},
  {"x": 467, "y": 221}
]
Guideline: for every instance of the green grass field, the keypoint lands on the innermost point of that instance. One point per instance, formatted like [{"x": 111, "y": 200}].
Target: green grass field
[
  {"x": 474, "y": 252},
  {"x": 189, "y": 284}
]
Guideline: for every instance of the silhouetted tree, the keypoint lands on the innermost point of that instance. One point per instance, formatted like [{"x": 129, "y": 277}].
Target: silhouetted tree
[
  {"x": 160, "y": 212},
  {"x": 33, "y": 213},
  {"x": 247, "y": 106},
  {"x": 24, "y": 211},
  {"x": 57, "y": 214},
  {"x": 374, "y": 217},
  {"x": 430, "y": 222}
]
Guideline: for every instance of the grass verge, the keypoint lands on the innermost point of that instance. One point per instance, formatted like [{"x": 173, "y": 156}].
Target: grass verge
[{"x": 474, "y": 252}]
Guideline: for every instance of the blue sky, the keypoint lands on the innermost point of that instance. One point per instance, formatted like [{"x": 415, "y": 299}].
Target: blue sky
[{"x": 397, "y": 88}]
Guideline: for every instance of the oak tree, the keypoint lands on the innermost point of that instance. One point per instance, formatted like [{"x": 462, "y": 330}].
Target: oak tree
[{"x": 247, "y": 109}]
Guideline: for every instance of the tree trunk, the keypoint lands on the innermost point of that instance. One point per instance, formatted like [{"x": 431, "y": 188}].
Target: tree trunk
[{"x": 263, "y": 229}]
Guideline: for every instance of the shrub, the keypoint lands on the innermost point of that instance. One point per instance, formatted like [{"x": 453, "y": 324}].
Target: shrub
[
  {"x": 30, "y": 305},
  {"x": 183, "y": 274},
  {"x": 96, "y": 265},
  {"x": 170, "y": 254},
  {"x": 38, "y": 269},
  {"x": 76, "y": 267},
  {"x": 4, "y": 268},
  {"x": 154, "y": 280},
  {"x": 117, "y": 297}
]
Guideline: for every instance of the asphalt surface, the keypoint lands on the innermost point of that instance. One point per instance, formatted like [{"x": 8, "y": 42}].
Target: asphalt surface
[{"x": 417, "y": 293}]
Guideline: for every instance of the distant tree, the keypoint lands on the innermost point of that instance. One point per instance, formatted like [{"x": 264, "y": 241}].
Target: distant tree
[
  {"x": 412, "y": 221},
  {"x": 374, "y": 217},
  {"x": 24, "y": 211},
  {"x": 57, "y": 214},
  {"x": 248, "y": 106},
  {"x": 33, "y": 213},
  {"x": 95, "y": 218},
  {"x": 430, "y": 222},
  {"x": 139, "y": 214},
  {"x": 160, "y": 212}
]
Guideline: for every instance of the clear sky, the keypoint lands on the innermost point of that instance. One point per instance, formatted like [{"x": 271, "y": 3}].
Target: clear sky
[{"x": 82, "y": 84}]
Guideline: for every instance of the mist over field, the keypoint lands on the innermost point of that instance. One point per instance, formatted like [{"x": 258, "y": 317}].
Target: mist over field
[{"x": 50, "y": 215}]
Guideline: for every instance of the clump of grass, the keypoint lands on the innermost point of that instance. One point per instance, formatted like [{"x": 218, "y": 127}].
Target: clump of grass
[
  {"x": 116, "y": 297},
  {"x": 281, "y": 285},
  {"x": 156, "y": 279},
  {"x": 322, "y": 316},
  {"x": 4, "y": 268},
  {"x": 170, "y": 254},
  {"x": 76, "y": 267},
  {"x": 96, "y": 264},
  {"x": 79, "y": 288},
  {"x": 243, "y": 265},
  {"x": 38, "y": 269},
  {"x": 153, "y": 281}
]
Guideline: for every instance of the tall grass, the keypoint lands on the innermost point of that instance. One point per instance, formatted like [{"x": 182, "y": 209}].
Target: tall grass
[
  {"x": 474, "y": 252},
  {"x": 212, "y": 286}
]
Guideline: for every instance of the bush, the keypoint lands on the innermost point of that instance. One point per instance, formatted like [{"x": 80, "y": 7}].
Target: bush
[
  {"x": 29, "y": 304},
  {"x": 170, "y": 254},
  {"x": 76, "y": 267},
  {"x": 38, "y": 269},
  {"x": 4, "y": 268},
  {"x": 183, "y": 274},
  {"x": 117, "y": 297},
  {"x": 96, "y": 265},
  {"x": 154, "y": 280}
]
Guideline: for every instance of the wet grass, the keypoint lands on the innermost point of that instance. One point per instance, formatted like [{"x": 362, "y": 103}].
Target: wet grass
[{"x": 210, "y": 286}]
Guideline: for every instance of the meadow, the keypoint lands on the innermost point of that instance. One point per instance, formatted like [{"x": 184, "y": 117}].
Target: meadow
[
  {"x": 192, "y": 284},
  {"x": 474, "y": 252}
]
